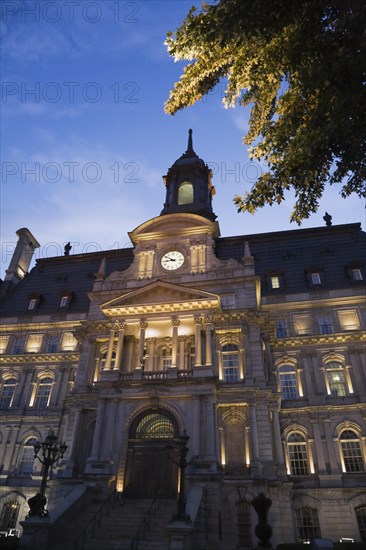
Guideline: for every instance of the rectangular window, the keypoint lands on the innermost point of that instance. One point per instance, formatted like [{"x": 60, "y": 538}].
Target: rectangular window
[
  {"x": 302, "y": 324},
  {"x": 18, "y": 346},
  {"x": 275, "y": 281},
  {"x": 34, "y": 343},
  {"x": 69, "y": 342},
  {"x": 356, "y": 274},
  {"x": 325, "y": 324},
  {"x": 3, "y": 343},
  {"x": 315, "y": 278},
  {"x": 52, "y": 344},
  {"x": 281, "y": 330},
  {"x": 348, "y": 319}
]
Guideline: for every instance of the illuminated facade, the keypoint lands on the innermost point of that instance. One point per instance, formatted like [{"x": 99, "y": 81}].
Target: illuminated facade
[{"x": 254, "y": 345}]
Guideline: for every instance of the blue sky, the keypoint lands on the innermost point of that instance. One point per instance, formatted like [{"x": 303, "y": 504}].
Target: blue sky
[{"x": 85, "y": 140}]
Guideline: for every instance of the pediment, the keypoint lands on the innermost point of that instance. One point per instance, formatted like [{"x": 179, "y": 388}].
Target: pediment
[
  {"x": 177, "y": 224},
  {"x": 160, "y": 297}
]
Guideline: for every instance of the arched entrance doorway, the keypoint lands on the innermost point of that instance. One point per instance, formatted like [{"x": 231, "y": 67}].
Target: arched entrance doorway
[{"x": 150, "y": 470}]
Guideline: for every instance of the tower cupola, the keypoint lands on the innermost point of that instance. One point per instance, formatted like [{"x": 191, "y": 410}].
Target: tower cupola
[{"x": 188, "y": 185}]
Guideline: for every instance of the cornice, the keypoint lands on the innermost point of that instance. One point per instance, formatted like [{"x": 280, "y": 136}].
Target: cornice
[
  {"x": 316, "y": 339},
  {"x": 39, "y": 358}
]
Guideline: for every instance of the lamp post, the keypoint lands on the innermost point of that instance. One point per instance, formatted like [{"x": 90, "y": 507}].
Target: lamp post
[
  {"x": 51, "y": 452},
  {"x": 182, "y": 514}
]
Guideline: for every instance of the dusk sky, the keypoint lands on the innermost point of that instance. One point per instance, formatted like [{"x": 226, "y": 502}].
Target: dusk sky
[{"x": 85, "y": 140}]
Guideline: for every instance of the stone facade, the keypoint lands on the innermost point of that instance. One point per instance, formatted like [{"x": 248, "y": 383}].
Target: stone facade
[{"x": 252, "y": 345}]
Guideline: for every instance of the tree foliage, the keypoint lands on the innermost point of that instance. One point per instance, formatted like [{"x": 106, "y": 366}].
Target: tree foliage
[{"x": 301, "y": 67}]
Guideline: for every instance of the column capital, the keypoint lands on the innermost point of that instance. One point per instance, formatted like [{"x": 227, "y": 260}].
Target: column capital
[
  {"x": 198, "y": 319},
  {"x": 143, "y": 323},
  {"x": 207, "y": 319},
  {"x": 175, "y": 322},
  {"x": 182, "y": 338},
  {"x": 113, "y": 325}
]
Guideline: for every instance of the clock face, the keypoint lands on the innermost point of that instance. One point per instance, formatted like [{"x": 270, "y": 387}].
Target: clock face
[{"x": 172, "y": 260}]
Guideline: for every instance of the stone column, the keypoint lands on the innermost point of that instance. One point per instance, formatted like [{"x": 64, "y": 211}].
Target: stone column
[
  {"x": 108, "y": 360},
  {"x": 196, "y": 426},
  {"x": 56, "y": 386},
  {"x": 255, "y": 462},
  {"x": 182, "y": 341},
  {"x": 208, "y": 327},
  {"x": 175, "y": 325},
  {"x": 151, "y": 347},
  {"x": 7, "y": 448},
  {"x": 14, "y": 449},
  {"x": 319, "y": 448},
  {"x": 73, "y": 446},
  {"x": 277, "y": 439},
  {"x": 198, "y": 343},
  {"x": 23, "y": 397},
  {"x": 359, "y": 375},
  {"x": 332, "y": 451},
  {"x": 110, "y": 423},
  {"x": 248, "y": 361},
  {"x": 119, "y": 351},
  {"x": 140, "y": 359},
  {"x": 210, "y": 428},
  {"x": 99, "y": 427}
]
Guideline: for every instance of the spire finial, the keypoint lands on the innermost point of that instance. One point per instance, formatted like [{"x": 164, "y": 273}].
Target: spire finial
[{"x": 190, "y": 142}]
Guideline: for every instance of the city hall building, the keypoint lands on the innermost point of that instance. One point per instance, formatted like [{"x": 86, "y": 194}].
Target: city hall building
[{"x": 251, "y": 346}]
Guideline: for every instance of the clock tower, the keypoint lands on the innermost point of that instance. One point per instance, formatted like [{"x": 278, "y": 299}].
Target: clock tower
[{"x": 188, "y": 185}]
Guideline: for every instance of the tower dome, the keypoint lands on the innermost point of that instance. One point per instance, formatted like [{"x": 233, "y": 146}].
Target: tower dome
[{"x": 188, "y": 185}]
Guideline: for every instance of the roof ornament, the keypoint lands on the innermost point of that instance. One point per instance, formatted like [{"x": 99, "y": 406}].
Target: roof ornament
[
  {"x": 100, "y": 275},
  {"x": 248, "y": 258},
  {"x": 328, "y": 219},
  {"x": 190, "y": 142},
  {"x": 67, "y": 249}
]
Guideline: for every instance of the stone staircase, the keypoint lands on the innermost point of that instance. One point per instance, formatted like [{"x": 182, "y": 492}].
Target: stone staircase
[{"x": 119, "y": 527}]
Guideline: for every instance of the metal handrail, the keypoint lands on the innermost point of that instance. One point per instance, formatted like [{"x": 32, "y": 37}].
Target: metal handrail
[
  {"x": 145, "y": 523},
  {"x": 96, "y": 520}
]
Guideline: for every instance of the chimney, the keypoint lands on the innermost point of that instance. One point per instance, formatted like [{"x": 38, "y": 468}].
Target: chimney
[{"x": 22, "y": 256}]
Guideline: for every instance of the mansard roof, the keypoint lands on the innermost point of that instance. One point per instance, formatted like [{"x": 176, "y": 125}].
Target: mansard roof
[{"x": 291, "y": 254}]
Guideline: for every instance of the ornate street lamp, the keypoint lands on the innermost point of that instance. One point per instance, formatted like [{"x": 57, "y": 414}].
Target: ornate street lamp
[{"x": 51, "y": 452}]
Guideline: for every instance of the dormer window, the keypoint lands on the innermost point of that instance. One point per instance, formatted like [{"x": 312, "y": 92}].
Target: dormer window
[
  {"x": 65, "y": 298},
  {"x": 275, "y": 281},
  {"x": 315, "y": 278},
  {"x": 185, "y": 193},
  {"x": 32, "y": 304},
  {"x": 64, "y": 301},
  {"x": 356, "y": 274}
]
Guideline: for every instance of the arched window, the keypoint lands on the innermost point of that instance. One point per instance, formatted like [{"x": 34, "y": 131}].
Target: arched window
[
  {"x": 298, "y": 454},
  {"x": 351, "y": 451},
  {"x": 26, "y": 464},
  {"x": 243, "y": 525},
  {"x": 185, "y": 193},
  {"x": 230, "y": 363},
  {"x": 7, "y": 393},
  {"x": 43, "y": 393},
  {"x": 335, "y": 379},
  {"x": 361, "y": 520},
  {"x": 288, "y": 382},
  {"x": 154, "y": 425},
  {"x": 9, "y": 515},
  {"x": 307, "y": 523}
]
